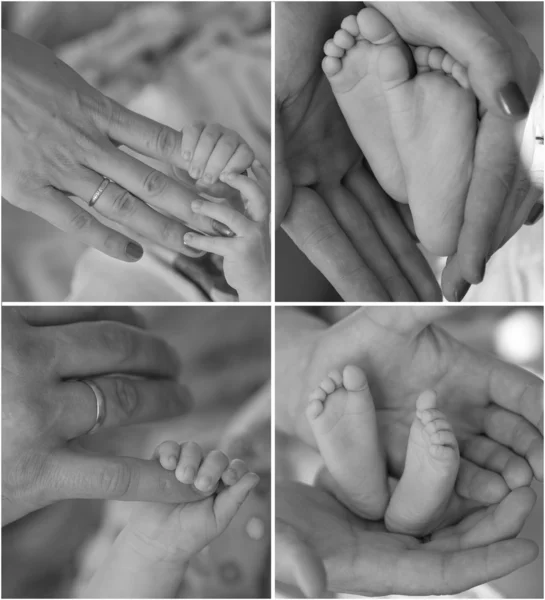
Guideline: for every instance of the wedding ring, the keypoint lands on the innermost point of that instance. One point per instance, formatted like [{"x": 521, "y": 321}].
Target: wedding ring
[
  {"x": 101, "y": 404},
  {"x": 98, "y": 193}
]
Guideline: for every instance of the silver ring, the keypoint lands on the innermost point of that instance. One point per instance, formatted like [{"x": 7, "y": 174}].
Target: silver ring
[
  {"x": 101, "y": 404},
  {"x": 100, "y": 190}
]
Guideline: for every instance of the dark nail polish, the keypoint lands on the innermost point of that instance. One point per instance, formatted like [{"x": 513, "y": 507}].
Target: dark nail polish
[
  {"x": 135, "y": 251},
  {"x": 512, "y": 101},
  {"x": 461, "y": 290},
  {"x": 535, "y": 214},
  {"x": 222, "y": 229}
]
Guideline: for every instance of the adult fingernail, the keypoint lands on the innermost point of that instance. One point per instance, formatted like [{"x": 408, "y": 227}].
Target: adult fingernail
[
  {"x": 461, "y": 290},
  {"x": 195, "y": 205},
  {"x": 222, "y": 229},
  {"x": 512, "y": 100},
  {"x": 535, "y": 214},
  {"x": 135, "y": 251},
  {"x": 226, "y": 176}
]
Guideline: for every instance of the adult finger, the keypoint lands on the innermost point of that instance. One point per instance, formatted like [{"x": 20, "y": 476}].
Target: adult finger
[
  {"x": 313, "y": 228},
  {"x": 216, "y": 245},
  {"x": 56, "y": 208},
  {"x": 424, "y": 572},
  {"x": 515, "y": 432},
  {"x": 86, "y": 349},
  {"x": 127, "y": 401},
  {"x": 488, "y": 525},
  {"x": 63, "y": 315},
  {"x": 483, "y": 485},
  {"x": 283, "y": 181},
  {"x": 360, "y": 230},
  {"x": 488, "y": 454},
  {"x": 122, "y": 207},
  {"x": 494, "y": 168},
  {"x": 151, "y": 186},
  {"x": 71, "y": 474},
  {"x": 223, "y": 213},
  {"x": 296, "y": 562},
  {"x": 394, "y": 233}
]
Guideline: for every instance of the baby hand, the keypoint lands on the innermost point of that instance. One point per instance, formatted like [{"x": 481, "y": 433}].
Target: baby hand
[
  {"x": 173, "y": 533},
  {"x": 209, "y": 150},
  {"x": 247, "y": 254}
]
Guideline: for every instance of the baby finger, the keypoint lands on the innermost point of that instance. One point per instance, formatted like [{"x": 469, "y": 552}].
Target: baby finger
[{"x": 236, "y": 470}]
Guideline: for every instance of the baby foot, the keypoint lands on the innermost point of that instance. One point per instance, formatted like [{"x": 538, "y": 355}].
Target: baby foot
[
  {"x": 191, "y": 468},
  {"x": 351, "y": 65},
  {"x": 431, "y": 467},
  {"x": 342, "y": 417},
  {"x": 413, "y": 117}
]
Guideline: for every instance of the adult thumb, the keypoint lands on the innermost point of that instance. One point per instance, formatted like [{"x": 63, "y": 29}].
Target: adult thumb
[
  {"x": 283, "y": 182},
  {"x": 74, "y": 474}
]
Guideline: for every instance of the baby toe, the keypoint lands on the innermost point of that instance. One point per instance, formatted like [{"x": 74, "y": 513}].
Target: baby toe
[
  {"x": 350, "y": 24},
  {"x": 343, "y": 39},
  {"x": 331, "y": 49},
  {"x": 354, "y": 378},
  {"x": 427, "y": 400},
  {"x": 448, "y": 63},
  {"x": 211, "y": 471},
  {"x": 435, "y": 58},
  {"x": 331, "y": 65},
  {"x": 337, "y": 377},
  {"x": 318, "y": 394},
  {"x": 429, "y": 415},
  {"x": 328, "y": 385},
  {"x": 437, "y": 425},
  {"x": 443, "y": 438},
  {"x": 314, "y": 409}
]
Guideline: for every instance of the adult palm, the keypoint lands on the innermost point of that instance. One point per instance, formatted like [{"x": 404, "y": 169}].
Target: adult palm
[
  {"x": 496, "y": 409},
  {"x": 361, "y": 557}
]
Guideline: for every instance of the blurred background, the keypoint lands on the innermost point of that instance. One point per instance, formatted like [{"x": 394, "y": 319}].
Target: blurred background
[
  {"x": 513, "y": 334},
  {"x": 225, "y": 353},
  {"x": 175, "y": 62}
]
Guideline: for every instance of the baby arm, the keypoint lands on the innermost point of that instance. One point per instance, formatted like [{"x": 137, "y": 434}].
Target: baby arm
[
  {"x": 150, "y": 555},
  {"x": 247, "y": 260}
]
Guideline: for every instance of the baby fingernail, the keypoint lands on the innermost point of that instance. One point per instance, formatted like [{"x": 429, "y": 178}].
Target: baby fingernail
[
  {"x": 196, "y": 205},
  {"x": 226, "y": 176},
  {"x": 188, "y": 474},
  {"x": 186, "y": 155},
  {"x": 195, "y": 173},
  {"x": 203, "y": 483},
  {"x": 512, "y": 100},
  {"x": 188, "y": 238}
]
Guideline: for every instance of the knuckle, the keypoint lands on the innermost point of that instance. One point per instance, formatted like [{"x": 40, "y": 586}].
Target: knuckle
[
  {"x": 198, "y": 125},
  {"x": 80, "y": 221},
  {"x": 123, "y": 203},
  {"x": 211, "y": 132},
  {"x": 170, "y": 232},
  {"x": 155, "y": 183},
  {"x": 166, "y": 141},
  {"x": 125, "y": 396},
  {"x": 114, "y": 480},
  {"x": 118, "y": 340}
]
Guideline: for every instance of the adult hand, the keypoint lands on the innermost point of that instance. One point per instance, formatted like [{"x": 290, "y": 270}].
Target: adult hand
[
  {"x": 336, "y": 213},
  {"x": 60, "y": 137},
  {"x": 46, "y": 352},
  {"x": 504, "y": 74},
  {"x": 362, "y": 557},
  {"x": 496, "y": 408}
]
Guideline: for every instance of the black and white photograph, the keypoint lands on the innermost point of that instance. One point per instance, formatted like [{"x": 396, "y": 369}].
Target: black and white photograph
[
  {"x": 136, "y": 452},
  {"x": 136, "y": 151},
  {"x": 409, "y": 144},
  {"x": 409, "y": 452}
]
